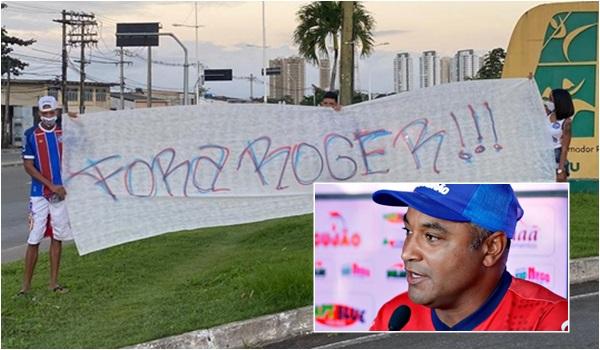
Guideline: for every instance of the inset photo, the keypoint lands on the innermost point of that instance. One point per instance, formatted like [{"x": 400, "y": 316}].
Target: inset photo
[{"x": 424, "y": 257}]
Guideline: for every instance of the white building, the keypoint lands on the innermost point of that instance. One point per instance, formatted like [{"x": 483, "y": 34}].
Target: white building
[
  {"x": 403, "y": 72},
  {"x": 467, "y": 64},
  {"x": 429, "y": 67},
  {"x": 290, "y": 82},
  {"x": 324, "y": 73},
  {"x": 446, "y": 64}
]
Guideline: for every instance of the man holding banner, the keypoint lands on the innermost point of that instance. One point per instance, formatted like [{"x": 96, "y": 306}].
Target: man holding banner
[
  {"x": 455, "y": 253},
  {"x": 331, "y": 100},
  {"x": 42, "y": 153}
]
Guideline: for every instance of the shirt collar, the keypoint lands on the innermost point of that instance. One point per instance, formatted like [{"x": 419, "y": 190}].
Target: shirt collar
[
  {"x": 46, "y": 130},
  {"x": 481, "y": 314}
]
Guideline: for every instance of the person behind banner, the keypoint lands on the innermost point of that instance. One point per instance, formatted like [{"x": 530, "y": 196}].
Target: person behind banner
[
  {"x": 42, "y": 155},
  {"x": 455, "y": 253},
  {"x": 560, "y": 111},
  {"x": 330, "y": 100}
]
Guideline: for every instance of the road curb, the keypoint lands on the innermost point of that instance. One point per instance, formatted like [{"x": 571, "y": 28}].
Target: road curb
[
  {"x": 8, "y": 164},
  {"x": 583, "y": 269},
  {"x": 279, "y": 327},
  {"x": 242, "y": 334}
]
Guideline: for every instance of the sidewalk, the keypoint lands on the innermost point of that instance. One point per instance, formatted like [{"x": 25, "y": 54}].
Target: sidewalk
[{"x": 276, "y": 328}]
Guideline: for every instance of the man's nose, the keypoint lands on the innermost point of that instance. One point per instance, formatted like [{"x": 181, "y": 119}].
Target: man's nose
[{"x": 410, "y": 249}]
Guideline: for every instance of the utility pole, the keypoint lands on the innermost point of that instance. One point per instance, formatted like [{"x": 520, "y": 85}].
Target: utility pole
[
  {"x": 347, "y": 53},
  {"x": 63, "y": 85},
  {"x": 149, "y": 83},
  {"x": 122, "y": 82},
  {"x": 197, "y": 60},
  {"x": 86, "y": 25},
  {"x": 82, "y": 73},
  {"x": 252, "y": 78},
  {"x": 7, "y": 137},
  {"x": 121, "y": 63}
]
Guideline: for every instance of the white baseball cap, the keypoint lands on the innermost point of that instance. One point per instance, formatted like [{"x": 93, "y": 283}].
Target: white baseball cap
[{"x": 47, "y": 103}]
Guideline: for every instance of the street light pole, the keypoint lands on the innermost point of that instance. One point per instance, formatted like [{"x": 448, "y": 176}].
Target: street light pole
[
  {"x": 197, "y": 88},
  {"x": 186, "y": 98},
  {"x": 264, "y": 50},
  {"x": 198, "y": 84}
]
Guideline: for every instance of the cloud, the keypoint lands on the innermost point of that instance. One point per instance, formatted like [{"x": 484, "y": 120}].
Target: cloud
[{"x": 390, "y": 32}]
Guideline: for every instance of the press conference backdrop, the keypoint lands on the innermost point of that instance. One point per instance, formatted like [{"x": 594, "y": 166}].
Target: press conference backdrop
[{"x": 358, "y": 244}]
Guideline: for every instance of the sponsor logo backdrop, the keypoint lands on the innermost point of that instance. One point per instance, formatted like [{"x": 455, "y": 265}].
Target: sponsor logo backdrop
[{"x": 358, "y": 246}]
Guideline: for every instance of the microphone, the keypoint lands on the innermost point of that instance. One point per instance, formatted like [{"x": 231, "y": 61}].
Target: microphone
[{"x": 399, "y": 318}]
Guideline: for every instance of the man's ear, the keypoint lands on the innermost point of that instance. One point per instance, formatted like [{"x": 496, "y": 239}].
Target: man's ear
[{"x": 493, "y": 248}]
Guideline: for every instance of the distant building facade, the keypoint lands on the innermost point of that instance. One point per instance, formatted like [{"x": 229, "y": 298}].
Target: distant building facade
[
  {"x": 25, "y": 93},
  {"x": 429, "y": 67},
  {"x": 290, "y": 82},
  {"x": 403, "y": 72},
  {"x": 324, "y": 73},
  {"x": 446, "y": 64},
  {"x": 135, "y": 100},
  {"x": 467, "y": 64}
]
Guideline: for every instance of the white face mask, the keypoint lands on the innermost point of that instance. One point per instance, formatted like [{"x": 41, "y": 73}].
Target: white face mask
[
  {"x": 49, "y": 121},
  {"x": 549, "y": 105}
]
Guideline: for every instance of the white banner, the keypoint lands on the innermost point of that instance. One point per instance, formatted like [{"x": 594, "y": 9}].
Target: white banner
[{"x": 136, "y": 174}]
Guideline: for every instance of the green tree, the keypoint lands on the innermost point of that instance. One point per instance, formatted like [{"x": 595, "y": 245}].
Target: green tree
[
  {"x": 493, "y": 62},
  {"x": 14, "y": 64},
  {"x": 321, "y": 21},
  {"x": 359, "y": 97},
  {"x": 312, "y": 100}
]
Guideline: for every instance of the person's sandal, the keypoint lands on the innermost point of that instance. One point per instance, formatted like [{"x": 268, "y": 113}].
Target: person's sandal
[
  {"x": 60, "y": 289},
  {"x": 22, "y": 293}
]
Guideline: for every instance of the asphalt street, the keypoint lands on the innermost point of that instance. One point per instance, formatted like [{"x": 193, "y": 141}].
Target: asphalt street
[
  {"x": 583, "y": 334},
  {"x": 15, "y": 200}
]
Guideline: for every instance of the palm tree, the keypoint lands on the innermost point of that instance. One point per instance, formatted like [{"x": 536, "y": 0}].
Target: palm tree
[{"x": 321, "y": 21}]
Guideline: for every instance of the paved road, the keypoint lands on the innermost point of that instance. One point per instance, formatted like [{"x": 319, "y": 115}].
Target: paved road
[
  {"x": 15, "y": 195},
  {"x": 15, "y": 201},
  {"x": 12, "y": 155},
  {"x": 584, "y": 333}
]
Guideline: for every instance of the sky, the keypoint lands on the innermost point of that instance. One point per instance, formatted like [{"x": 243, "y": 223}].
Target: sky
[{"x": 231, "y": 37}]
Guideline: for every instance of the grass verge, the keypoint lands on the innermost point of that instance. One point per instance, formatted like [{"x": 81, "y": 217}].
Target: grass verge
[
  {"x": 162, "y": 286},
  {"x": 584, "y": 225}
]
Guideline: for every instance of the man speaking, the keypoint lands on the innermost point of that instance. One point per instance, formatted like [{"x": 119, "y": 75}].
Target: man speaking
[{"x": 455, "y": 252}]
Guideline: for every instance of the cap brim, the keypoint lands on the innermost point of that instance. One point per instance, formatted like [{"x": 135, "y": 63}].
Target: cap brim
[{"x": 419, "y": 202}]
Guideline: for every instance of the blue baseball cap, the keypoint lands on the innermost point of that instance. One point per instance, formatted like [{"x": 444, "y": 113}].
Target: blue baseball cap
[{"x": 493, "y": 207}]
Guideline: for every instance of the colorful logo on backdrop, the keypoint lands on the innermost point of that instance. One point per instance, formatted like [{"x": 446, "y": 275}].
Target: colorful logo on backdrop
[
  {"x": 394, "y": 218},
  {"x": 533, "y": 274},
  {"x": 526, "y": 236},
  {"x": 396, "y": 271},
  {"x": 320, "y": 270},
  {"x": 337, "y": 315},
  {"x": 393, "y": 243},
  {"x": 339, "y": 234},
  {"x": 355, "y": 270}
]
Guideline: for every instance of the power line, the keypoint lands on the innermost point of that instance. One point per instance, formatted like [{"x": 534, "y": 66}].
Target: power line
[
  {"x": 163, "y": 63},
  {"x": 73, "y": 66},
  {"x": 36, "y": 58},
  {"x": 142, "y": 85},
  {"x": 83, "y": 32},
  {"x": 44, "y": 51},
  {"x": 21, "y": 7}
]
